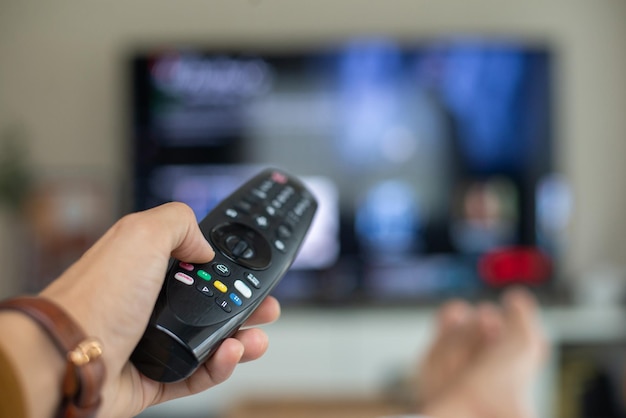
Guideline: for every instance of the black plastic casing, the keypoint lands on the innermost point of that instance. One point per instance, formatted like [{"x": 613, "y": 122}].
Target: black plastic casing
[{"x": 270, "y": 214}]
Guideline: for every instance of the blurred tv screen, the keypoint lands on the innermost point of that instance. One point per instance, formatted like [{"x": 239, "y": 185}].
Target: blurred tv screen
[{"x": 426, "y": 157}]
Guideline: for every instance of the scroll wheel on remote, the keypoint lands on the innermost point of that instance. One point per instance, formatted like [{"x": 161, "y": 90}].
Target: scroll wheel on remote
[{"x": 239, "y": 247}]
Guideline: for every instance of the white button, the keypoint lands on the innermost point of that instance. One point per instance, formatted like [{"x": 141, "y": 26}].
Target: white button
[
  {"x": 245, "y": 291},
  {"x": 262, "y": 221},
  {"x": 184, "y": 278},
  {"x": 280, "y": 245}
]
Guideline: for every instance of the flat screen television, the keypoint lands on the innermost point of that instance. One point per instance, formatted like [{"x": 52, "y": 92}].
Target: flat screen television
[{"x": 432, "y": 161}]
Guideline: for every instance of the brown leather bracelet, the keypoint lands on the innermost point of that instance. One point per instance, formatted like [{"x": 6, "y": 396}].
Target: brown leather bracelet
[{"x": 85, "y": 372}]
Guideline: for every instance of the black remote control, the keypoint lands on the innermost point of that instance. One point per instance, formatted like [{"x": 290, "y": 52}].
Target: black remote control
[{"x": 256, "y": 233}]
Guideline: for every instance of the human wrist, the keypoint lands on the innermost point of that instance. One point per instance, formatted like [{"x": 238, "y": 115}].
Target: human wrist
[
  {"x": 37, "y": 366},
  {"x": 82, "y": 380}
]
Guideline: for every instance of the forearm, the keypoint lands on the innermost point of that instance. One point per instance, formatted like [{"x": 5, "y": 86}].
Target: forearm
[{"x": 32, "y": 368}]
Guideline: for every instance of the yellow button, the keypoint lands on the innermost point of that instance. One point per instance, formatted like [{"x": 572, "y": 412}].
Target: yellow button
[{"x": 220, "y": 286}]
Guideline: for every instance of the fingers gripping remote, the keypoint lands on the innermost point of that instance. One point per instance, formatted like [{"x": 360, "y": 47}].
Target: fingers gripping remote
[{"x": 256, "y": 233}]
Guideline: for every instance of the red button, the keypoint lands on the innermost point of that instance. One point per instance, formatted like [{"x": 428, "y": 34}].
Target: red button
[
  {"x": 279, "y": 178},
  {"x": 185, "y": 266}
]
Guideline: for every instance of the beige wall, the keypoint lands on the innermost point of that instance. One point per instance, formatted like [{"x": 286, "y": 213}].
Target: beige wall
[{"x": 61, "y": 77}]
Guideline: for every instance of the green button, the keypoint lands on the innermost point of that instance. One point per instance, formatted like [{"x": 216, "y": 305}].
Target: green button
[{"x": 204, "y": 275}]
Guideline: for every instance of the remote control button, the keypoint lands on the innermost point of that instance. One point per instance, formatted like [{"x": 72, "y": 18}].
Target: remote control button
[
  {"x": 204, "y": 275},
  {"x": 244, "y": 206},
  {"x": 279, "y": 178},
  {"x": 220, "y": 286},
  {"x": 242, "y": 244},
  {"x": 277, "y": 203},
  {"x": 184, "y": 278},
  {"x": 185, "y": 266},
  {"x": 271, "y": 210},
  {"x": 204, "y": 289},
  {"x": 239, "y": 247},
  {"x": 292, "y": 218},
  {"x": 291, "y": 222},
  {"x": 243, "y": 288},
  {"x": 301, "y": 207},
  {"x": 283, "y": 231},
  {"x": 259, "y": 194},
  {"x": 221, "y": 269},
  {"x": 266, "y": 186},
  {"x": 236, "y": 299},
  {"x": 280, "y": 245},
  {"x": 231, "y": 213},
  {"x": 251, "y": 278},
  {"x": 223, "y": 304},
  {"x": 284, "y": 195},
  {"x": 261, "y": 221}
]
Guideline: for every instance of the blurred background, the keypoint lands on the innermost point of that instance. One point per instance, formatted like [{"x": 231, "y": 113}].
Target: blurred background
[{"x": 456, "y": 148}]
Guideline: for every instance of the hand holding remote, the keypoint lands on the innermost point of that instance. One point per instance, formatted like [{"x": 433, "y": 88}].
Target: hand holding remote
[
  {"x": 256, "y": 232},
  {"x": 111, "y": 292}
]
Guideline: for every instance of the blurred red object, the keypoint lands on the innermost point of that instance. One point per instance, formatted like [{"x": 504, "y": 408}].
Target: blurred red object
[{"x": 515, "y": 265}]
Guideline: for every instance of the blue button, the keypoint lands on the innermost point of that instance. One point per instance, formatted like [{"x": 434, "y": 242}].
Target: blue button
[{"x": 236, "y": 299}]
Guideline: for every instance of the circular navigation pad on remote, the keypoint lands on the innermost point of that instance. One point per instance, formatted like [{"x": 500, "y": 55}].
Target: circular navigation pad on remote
[{"x": 243, "y": 245}]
